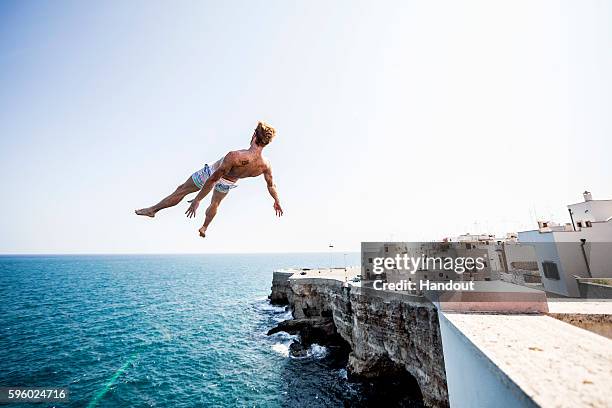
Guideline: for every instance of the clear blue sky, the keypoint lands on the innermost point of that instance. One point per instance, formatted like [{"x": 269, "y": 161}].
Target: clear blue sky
[{"x": 406, "y": 120}]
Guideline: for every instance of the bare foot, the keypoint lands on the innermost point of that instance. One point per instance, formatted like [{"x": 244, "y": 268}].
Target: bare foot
[
  {"x": 147, "y": 212},
  {"x": 202, "y": 232}
]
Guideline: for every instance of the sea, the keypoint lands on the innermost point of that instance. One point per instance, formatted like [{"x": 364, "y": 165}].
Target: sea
[{"x": 164, "y": 331}]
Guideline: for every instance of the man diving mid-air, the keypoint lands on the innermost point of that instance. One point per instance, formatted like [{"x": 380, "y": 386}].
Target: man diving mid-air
[{"x": 223, "y": 175}]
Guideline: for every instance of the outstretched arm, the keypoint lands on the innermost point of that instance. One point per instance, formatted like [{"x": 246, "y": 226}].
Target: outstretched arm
[
  {"x": 222, "y": 170},
  {"x": 272, "y": 190}
]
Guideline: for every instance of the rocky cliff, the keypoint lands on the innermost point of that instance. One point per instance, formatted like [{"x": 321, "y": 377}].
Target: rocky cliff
[
  {"x": 388, "y": 334},
  {"x": 280, "y": 288}
]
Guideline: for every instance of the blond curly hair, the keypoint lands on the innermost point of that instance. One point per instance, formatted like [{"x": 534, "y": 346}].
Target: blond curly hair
[{"x": 264, "y": 133}]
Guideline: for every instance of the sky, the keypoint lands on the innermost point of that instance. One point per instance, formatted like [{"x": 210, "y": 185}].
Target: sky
[{"x": 396, "y": 120}]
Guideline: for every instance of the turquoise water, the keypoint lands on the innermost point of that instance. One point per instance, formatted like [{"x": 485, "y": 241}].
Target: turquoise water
[{"x": 161, "y": 331}]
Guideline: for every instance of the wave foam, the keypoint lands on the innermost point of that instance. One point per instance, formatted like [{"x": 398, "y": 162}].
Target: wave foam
[
  {"x": 267, "y": 307},
  {"x": 286, "y": 337},
  {"x": 317, "y": 351},
  {"x": 281, "y": 348},
  {"x": 281, "y": 317}
]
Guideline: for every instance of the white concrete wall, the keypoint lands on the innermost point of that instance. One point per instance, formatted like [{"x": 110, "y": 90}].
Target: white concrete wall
[
  {"x": 598, "y": 247},
  {"x": 564, "y": 249},
  {"x": 546, "y": 250},
  {"x": 516, "y": 252},
  {"x": 473, "y": 380},
  {"x": 596, "y": 210}
]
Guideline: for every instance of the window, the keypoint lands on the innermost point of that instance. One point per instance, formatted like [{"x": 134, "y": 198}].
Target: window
[
  {"x": 588, "y": 224},
  {"x": 579, "y": 224},
  {"x": 550, "y": 270},
  {"x": 544, "y": 224},
  {"x": 369, "y": 260}
]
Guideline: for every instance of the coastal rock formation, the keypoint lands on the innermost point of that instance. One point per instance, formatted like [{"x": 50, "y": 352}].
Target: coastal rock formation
[
  {"x": 315, "y": 330},
  {"x": 280, "y": 288},
  {"x": 388, "y": 335}
]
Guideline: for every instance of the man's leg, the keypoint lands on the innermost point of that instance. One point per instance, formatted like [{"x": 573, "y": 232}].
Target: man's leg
[
  {"x": 211, "y": 211},
  {"x": 173, "y": 199}
]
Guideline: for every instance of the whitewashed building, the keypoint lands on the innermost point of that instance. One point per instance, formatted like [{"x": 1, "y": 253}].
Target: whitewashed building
[{"x": 582, "y": 248}]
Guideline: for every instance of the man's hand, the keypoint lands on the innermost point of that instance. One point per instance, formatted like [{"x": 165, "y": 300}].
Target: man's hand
[
  {"x": 191, "y": 211},
  {"x": 272, "y": 190},
  {"x": 278, "y": 209}
]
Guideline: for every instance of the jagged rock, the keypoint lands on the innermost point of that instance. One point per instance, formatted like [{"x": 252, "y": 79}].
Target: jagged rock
[
  {"x": 280, "y": 288},
  {"x": 319, "y": 330},
  {"x": 297, "y": 349}
]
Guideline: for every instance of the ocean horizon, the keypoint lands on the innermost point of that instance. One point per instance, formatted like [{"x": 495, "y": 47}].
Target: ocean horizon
[{"x": 163, "y": 330}]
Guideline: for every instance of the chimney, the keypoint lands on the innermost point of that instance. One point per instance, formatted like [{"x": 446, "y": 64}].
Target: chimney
[{"x": 587, "y": 196}]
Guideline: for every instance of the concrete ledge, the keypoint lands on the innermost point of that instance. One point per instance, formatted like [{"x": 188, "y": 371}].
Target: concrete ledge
[
  {"x": 594, "y": 288},
  {"x": 551, "y": 362},
  {"x": 473, "y": 379}
]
